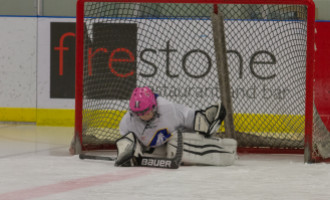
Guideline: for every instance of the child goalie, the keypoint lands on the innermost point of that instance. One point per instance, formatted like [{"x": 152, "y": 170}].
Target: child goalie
[{"x": 150, "y": 129}]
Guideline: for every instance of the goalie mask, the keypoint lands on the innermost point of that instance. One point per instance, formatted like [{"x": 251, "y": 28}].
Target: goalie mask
[{"x": 142, "y": 101}]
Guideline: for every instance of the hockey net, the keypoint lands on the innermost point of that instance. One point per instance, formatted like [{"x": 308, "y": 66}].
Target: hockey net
[{"x": 169, "y": 47}]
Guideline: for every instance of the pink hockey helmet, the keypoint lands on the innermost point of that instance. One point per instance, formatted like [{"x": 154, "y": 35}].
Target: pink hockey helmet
[{"x": 142, "y": 100}]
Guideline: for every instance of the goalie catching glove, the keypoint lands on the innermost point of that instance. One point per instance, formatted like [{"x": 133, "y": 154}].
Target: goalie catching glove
[{"x": 208, "y": 121}]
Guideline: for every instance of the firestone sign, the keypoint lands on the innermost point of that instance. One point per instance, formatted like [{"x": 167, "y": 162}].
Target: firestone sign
[{"x": 119, "y": 56}]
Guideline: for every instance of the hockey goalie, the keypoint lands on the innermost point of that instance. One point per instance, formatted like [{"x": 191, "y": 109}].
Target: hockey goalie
[{"x": 156, "y": 132}]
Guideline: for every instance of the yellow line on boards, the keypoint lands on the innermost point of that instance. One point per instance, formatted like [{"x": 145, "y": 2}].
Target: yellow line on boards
[
  {"x": 251, "y": 123},
  {"x": 18, "y": 114},
  {"x": 43, "y": 117}
]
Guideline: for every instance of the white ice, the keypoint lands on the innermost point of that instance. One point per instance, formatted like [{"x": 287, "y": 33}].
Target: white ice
[{"x": 35, "y": 164}]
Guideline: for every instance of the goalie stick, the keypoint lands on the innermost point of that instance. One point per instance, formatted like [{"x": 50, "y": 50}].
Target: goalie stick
[
  {"x": 93, "y": 157},
  {"x": 169, "y": 163}
]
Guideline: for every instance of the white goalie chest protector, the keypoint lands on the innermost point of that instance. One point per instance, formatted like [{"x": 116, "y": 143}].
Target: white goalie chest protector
[{"x": 158, "y": 131}]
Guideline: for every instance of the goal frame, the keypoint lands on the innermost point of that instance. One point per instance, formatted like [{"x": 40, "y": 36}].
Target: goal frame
[{"x": 309, "y": 65}]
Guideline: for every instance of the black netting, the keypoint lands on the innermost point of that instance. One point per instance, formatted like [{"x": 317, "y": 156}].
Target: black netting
[
  {"x": 320, "y": 145},
  {"x": 170, "y": 48}
]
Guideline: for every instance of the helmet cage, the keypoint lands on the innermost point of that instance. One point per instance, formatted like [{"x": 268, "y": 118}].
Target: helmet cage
[{"x": 142, "y": 112}]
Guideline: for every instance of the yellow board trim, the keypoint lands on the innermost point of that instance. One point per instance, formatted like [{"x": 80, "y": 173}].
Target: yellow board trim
[
  {"x": 18, "y": 114},
  {"x": 256, "y": 123},
  {"x": 104, "y": 119},
  {"x": 42, "y": 117},
  {"x": 252, "y": 123},
  {"x": 55, "y": 117}
]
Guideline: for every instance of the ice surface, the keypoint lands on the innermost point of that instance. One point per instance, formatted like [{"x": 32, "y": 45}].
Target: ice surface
[{"x": 35, "y": 164}]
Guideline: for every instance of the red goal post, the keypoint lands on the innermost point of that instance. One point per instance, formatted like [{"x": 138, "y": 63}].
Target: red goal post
[{"x": 123, "y": 44}]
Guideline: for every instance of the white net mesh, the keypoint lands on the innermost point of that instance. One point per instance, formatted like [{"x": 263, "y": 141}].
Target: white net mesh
[{"x": 169, "y": 47}]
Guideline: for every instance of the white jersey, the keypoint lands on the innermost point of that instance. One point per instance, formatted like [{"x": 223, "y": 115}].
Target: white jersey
[{"x": 169, "y": 118}]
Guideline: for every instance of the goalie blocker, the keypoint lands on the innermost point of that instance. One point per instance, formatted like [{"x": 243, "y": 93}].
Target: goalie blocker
[
  {"x": 195, "y": 148},
  {"x": 130, "y": 153}
]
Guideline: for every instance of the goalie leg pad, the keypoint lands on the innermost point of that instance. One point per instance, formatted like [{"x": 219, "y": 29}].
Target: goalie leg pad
[
  {"x": 208, "y": 121},
  {"x": 198, "y": 150}
]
